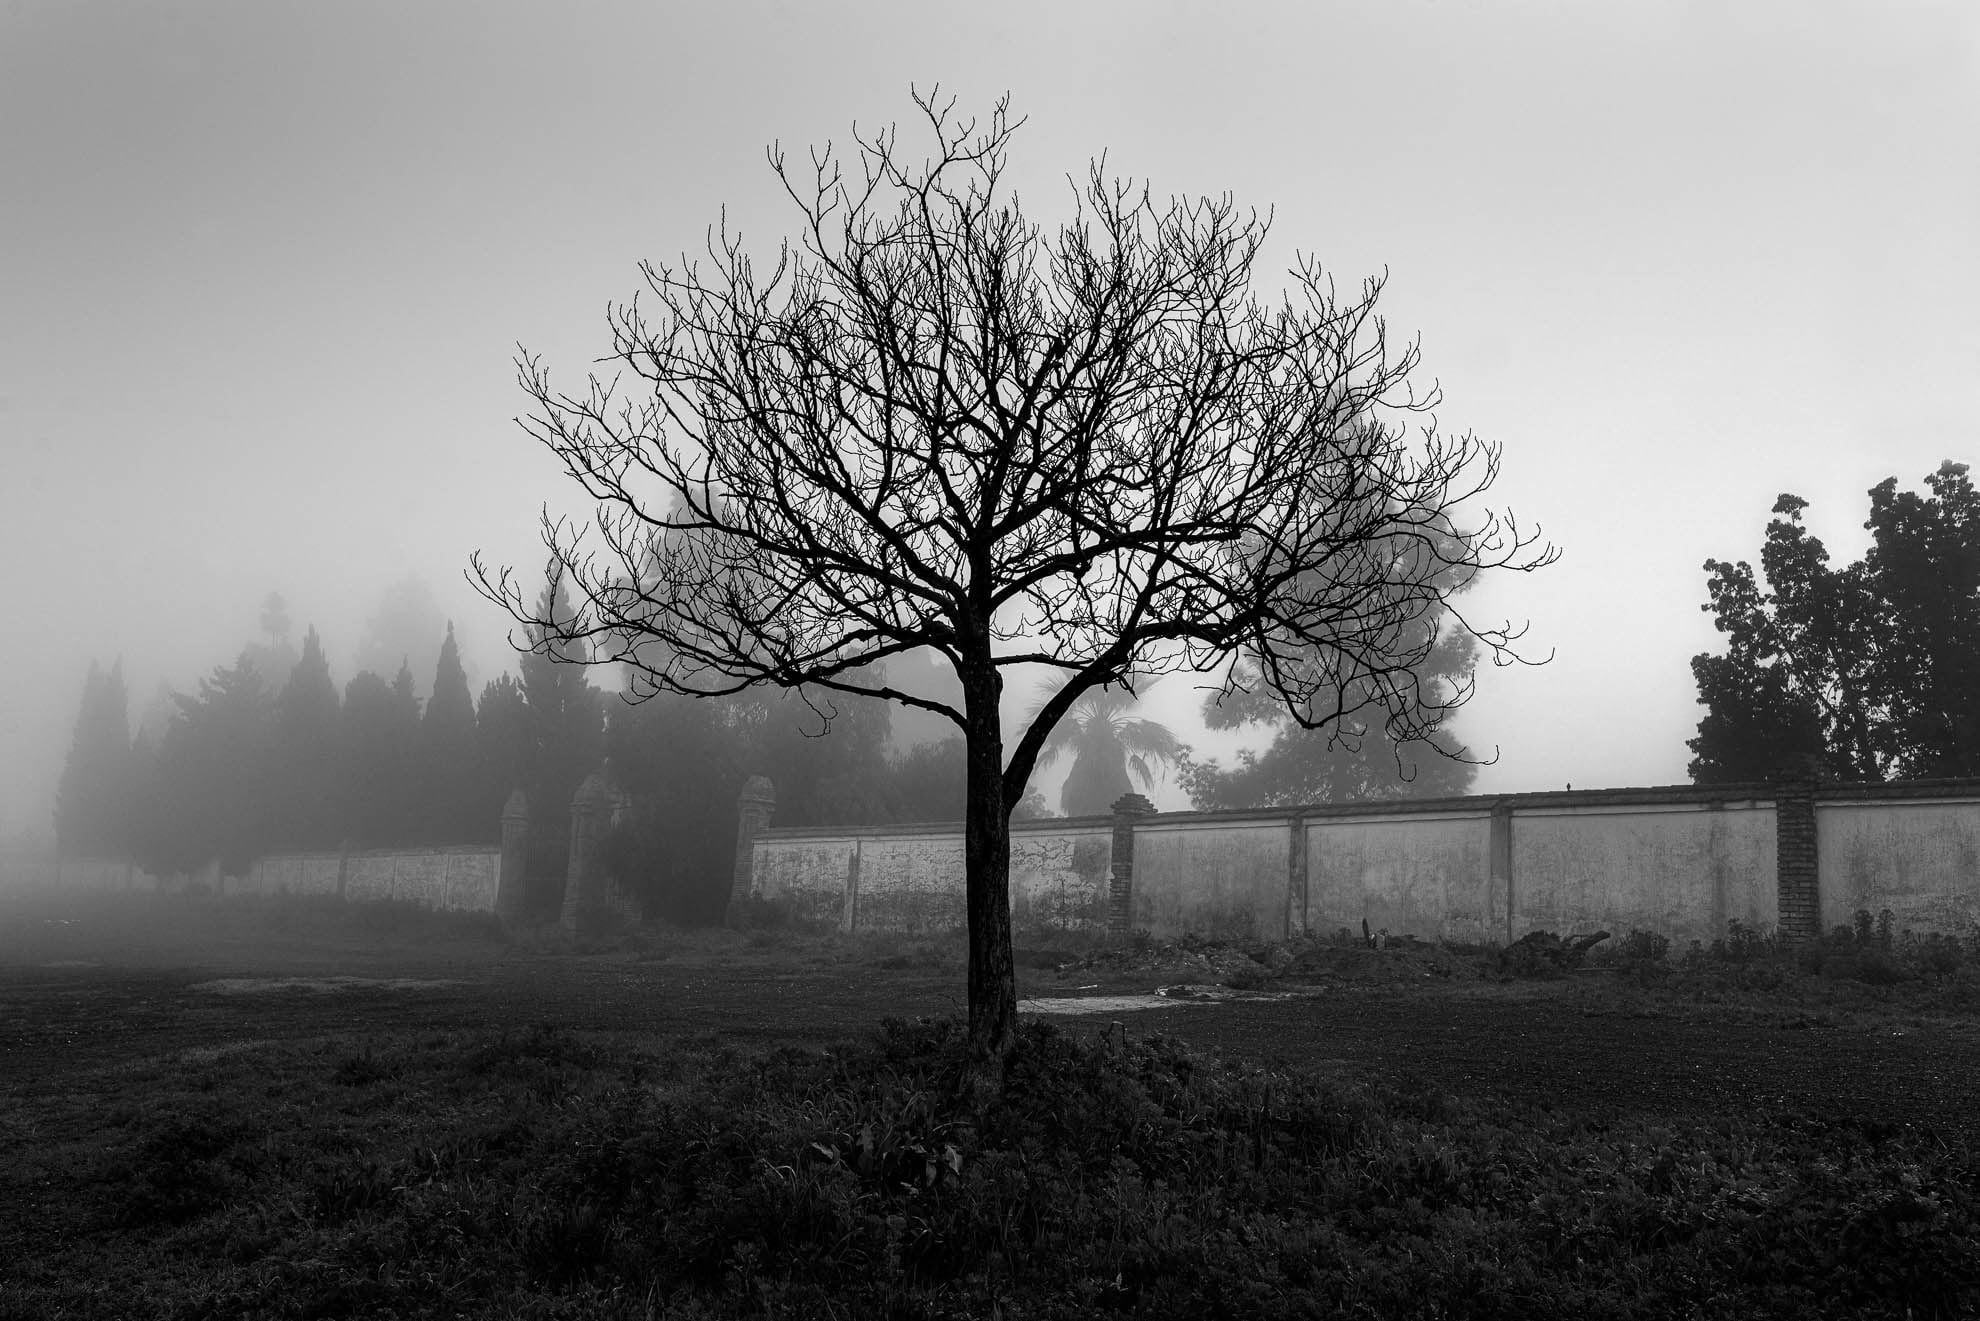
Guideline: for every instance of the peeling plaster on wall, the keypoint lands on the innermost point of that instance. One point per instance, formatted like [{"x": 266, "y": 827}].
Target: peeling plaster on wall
[
  {"x": 1422, "y": 876},
  {"x": 1683, "y": 870},
  {"x": 1921, "y": 860},
  {"x": 463, "y": 880},
  {"x": 1680, "y": 860},
  {"x": 1222, "y": 881}
]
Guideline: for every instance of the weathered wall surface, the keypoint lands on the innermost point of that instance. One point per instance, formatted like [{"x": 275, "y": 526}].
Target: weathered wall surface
[
  {"x": 910, "y": 879},
  {"x": 1680, "y": 860},
  {"x": 461, "y": 879},
  {"x": 1425, "y": 875},
  {"x": 1683, "y": 870},
  {"x": 1920, "y": 859},
  {"x": 294, "y": 873},
  {"x": 1222, "y": 880}
]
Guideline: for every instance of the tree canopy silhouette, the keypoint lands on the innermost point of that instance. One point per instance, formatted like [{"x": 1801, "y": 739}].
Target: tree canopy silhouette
[
  {"x": 1091, "y": 455},
  {"x": 1863, "y": 672},
  {"x": 1113, "y": 751}
]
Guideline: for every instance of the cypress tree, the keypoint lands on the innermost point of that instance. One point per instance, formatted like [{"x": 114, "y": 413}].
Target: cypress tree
[
  {"x": 308, "y": 719},
  {"x": 451, "y": 807},
  {"x": 92, "y": 798}
]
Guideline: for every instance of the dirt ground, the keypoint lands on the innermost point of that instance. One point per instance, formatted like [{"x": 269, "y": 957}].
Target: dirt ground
[{"x": 91, "y": 987}]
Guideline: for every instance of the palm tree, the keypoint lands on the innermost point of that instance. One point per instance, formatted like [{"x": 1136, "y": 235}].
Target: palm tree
[{"x": 1111, "y": 752}]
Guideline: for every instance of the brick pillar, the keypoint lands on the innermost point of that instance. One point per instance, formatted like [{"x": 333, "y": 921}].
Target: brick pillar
[
  {"x": 1795, "y": 858},
  {"x": 515, "y": 858},
  {"x": 584, "y": 882},
  {"x": 1128, "y": 809},
  {"x": 754, "y": 807}
]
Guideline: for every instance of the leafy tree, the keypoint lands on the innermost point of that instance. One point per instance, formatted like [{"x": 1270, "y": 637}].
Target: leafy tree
[
  {"x": 211, "y": 799},
  {"x": 1863, "y": 672},
  {"x": 682, "y": 766},
  {"x": 929, "y": 782},
  {"x": 452, "y": 809},
  {"x": 932, "y": 425},
  {"x": 307, "y": 813},
  {"x": 1347, "y": 761},
  {"x": 1113, "y": 753},
  {"x": 92, "y": 800}
]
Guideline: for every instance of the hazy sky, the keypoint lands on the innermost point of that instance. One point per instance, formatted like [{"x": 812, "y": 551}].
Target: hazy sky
[{"x": 263, "y": 266}]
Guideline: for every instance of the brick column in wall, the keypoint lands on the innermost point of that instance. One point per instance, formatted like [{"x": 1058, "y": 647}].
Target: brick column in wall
[
  {"x": 1128, "y": 809},
  {"x": 753, "y": 808},
  {"x": 1795, "y": 859}
]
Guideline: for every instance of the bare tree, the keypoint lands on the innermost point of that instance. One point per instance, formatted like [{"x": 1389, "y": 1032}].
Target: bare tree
[{"x": 1096, "y": 452}]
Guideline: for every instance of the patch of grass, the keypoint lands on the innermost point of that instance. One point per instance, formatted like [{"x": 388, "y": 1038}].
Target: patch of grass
[{"x": 540, "y": 1173}]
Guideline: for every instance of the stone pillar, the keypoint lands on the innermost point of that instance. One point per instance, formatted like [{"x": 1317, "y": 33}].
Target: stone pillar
[
  {"x": 515, "y": 858},
  {"x": 1128, "y": 809},
  {"x": 1795, "y": 859},
  {"x": 753, "y": 811},
  {"x": 584, "y": 882}
]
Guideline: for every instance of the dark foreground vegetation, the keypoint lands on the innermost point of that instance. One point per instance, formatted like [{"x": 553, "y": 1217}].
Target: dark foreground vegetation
[{"x": 541, "y": 1173}]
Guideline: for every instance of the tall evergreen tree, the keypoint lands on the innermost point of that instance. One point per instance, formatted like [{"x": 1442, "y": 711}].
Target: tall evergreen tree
[
  {"x": 272, "y": 654},
  {"x": 380, "y": 748},
  {"x": 308, "y": 729},
  {"x": 451, "y": 809},
  {"x": 92, "y": 807},
  {"x": 503, "y": 750},
  {"x": 566, "y": 718}
]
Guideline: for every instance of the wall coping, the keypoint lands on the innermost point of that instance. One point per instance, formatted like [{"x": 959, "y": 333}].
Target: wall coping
[
  {"x": 411, "y": 851},
  {"x": 1752, "y": 793}
]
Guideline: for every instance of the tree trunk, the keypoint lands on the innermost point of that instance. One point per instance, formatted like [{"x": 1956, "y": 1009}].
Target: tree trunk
[{"x": 987, "y": 874}]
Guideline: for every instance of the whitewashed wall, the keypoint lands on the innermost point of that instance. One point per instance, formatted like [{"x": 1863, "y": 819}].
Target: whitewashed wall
[
  {"x": 1683, "y": 870},
  {"x": 1681, "y": 861},
  {"x": 1919, "y": 858},
  {"x": 1425, "y": 875},
  {"x": 458, "y": 879}
]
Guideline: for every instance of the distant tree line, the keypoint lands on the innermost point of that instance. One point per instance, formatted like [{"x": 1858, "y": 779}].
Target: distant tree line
[{"x": 248, "y": 766}]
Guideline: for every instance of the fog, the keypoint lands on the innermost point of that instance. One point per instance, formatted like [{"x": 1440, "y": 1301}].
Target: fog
[{"x": 263, "y": 271}]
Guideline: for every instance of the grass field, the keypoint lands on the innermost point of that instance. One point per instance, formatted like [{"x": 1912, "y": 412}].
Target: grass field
[{"x": 293, "y": 1109}]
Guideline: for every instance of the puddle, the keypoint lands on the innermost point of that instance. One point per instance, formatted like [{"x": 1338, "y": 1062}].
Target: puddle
[
  {"x": 1100, "y": 1004},
  {"x": 263, "y": 985},
  {"x": 1165, "y": 997}
]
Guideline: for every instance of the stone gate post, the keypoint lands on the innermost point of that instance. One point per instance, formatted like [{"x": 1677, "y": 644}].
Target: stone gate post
[
  {"x": 754, "y": 807},
  {"x": 1128, "y": 809},
  {"x": 515, "y": 858},
  {"x": 584, "y": 880}
]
